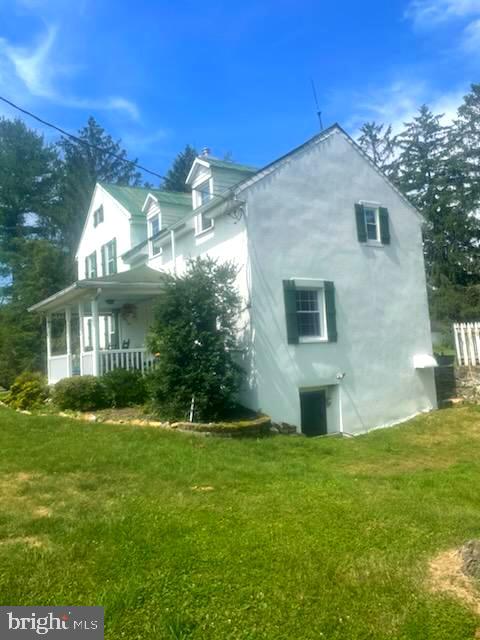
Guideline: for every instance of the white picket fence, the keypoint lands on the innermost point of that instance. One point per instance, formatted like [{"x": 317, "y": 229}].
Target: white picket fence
[{"x": 467, "y": 343}]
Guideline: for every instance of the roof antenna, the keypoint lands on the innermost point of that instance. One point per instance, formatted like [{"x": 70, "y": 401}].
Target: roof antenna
[{"x": 319, "y": 113}]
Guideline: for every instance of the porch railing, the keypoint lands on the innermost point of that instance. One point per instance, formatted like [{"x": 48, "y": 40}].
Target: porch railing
[{"x": 136, "y": 359}]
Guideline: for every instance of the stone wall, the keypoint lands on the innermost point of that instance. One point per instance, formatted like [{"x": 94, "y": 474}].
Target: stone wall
[{"x": 468, "y": 383}]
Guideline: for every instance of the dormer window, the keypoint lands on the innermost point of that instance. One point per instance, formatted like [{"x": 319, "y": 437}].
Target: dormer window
[
  {"x": 204, "y": 193},
  {"x": 98, "y": 216},
  {"x": 155, "y": 228}
]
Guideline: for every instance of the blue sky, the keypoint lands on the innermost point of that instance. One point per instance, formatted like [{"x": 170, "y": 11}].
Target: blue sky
[{"x": 234, "y": 76}]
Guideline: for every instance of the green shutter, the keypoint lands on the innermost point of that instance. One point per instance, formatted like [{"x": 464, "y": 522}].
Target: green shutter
[
  {"x": 114, "y": 253},
  {"x": 360, "y": 218},
  {"x": 86, "y": 268},
  {"x": 289, "y": 294},
  {"x": 330, "y": 311},
  {"x": 94, "y": 264},
  {"x": 103, "y": 251},
  {"x": 384, "y": 226}
]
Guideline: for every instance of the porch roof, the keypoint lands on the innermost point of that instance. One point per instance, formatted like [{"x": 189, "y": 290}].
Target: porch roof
[{"x": 132, "y": 285}]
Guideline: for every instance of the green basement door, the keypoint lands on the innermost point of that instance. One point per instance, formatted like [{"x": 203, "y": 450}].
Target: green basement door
[{"x": 313, "y": 409}]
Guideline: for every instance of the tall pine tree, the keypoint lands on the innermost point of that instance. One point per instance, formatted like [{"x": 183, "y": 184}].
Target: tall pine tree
[
  {"x": 92, "y": 159},
  {"x": 177, "y": 174},
  {"x": 378, "y": 143}
]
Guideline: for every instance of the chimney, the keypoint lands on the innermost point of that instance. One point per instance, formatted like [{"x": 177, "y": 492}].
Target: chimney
[{"x": 206, "y": 151}]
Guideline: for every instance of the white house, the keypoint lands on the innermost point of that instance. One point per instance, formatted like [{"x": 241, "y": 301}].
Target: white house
[{"x": 335, "y": 328}]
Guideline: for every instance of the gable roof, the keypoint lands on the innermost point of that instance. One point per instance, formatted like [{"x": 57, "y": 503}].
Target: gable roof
[
  {"x": 227, "y": 164},
  {"x": 133, "y": 198},
  {"x": 211, "y": 161}
]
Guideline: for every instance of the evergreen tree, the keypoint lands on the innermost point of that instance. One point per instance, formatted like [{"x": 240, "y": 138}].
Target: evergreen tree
[
  {"x": 177, "y": 174},
  {"x": 84, "y": 165},
  {"x": 378, "y": 143},
  {"x": 194, "y": 333},
  {"x": 29, "y": 173}
]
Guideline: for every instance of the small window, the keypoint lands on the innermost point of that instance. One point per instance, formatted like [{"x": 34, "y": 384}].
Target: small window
[
  {"x": 98, "y": 216},
  {"x": 204, "y": 193},
  {"x": 155, "y": 227},
  {"x": 91, "y": 266},
  {"x": 310, "y": 308},
  {"x": 109, "y": 258},
  {"x": 372, "y": 226}
]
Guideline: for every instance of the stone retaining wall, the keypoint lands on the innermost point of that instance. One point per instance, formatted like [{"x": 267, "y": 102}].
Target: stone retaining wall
[{"x": 468, "y": 383}]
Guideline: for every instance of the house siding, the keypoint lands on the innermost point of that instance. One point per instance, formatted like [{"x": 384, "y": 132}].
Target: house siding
[
  {"x": 116, "y": 224},
  {"x": 301, "y": 223}
]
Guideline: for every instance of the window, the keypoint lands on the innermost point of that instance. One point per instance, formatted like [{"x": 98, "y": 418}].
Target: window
[
  {"x": 98, "y": 216},
  {"x": 91, "y": 266},
  {"x": 373, "y": 225},
  {"x": 310, "y": 313},
  {"x": 109, "y": 258},
  {"x": 203, "y": 193},
  {"x": 310, "y": 310},
  {"x": 155, "y": 227}
]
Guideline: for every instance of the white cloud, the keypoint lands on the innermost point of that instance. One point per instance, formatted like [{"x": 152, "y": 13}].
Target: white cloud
[
  {"x": 37, "y": 71},
  {"x": 431, "y": 12},
  {"x": 471, "y": 37},
  {"x": 399, "y": 103},
  {"x": 141, "y": 141}
]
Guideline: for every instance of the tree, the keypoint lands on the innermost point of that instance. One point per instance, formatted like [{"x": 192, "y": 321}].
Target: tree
[
  {"x": 177, "y": 174},
  {"x": 378, "y": 143},
  {"x": 96, "y": 157},
  {"x": 29, "y": 173},
  {"x": 194, "y": 333},
  {"x": 431, "y": 177},
  {"x": 40, "y": 269}
]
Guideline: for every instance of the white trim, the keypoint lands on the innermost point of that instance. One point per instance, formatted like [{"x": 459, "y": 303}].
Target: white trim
[
  {"x": 322, "y": 312},
  {"x": 151, "y": 235},
  {"x": 197, "y": 161}
]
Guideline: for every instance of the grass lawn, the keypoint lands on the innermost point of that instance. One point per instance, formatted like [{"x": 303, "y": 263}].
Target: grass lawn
[{"x": 181, "y": 537}]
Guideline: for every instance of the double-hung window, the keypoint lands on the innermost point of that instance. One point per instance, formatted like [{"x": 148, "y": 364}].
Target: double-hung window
[
  {"x": 372, "y": 223},
  {"x": 155, "y": 227},
  {"x": 91, "y": 266},
  {"x": 310, "y": 310},
  {"x": 98, "y": 216},
  {"x": 109, "y": 258},
  {"x": 203, "y": 195},
  {"x": 310, "y": 307}
]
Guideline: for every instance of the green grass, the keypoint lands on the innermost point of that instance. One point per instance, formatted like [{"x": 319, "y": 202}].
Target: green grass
[{"x": 180, "y": 537}]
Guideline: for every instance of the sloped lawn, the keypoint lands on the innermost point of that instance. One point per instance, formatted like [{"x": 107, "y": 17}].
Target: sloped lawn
[{"x": 180, "y": 537}]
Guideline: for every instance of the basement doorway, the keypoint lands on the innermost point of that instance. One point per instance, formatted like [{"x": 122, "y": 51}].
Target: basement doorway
[{"x": 313, "y": 412}]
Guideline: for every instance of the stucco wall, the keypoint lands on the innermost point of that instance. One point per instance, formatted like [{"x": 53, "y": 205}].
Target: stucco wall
[{"x": 301, "y": 223}]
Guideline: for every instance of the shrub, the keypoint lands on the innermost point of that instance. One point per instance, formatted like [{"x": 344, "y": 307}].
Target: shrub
[
  {"x": 80, "y": 393},
  {"x": 29, "y": 390},
  {"x": 124, "y": 388}
]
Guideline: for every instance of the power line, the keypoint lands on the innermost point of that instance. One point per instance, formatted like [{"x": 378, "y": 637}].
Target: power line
[
  {"x": 93, "y": 146},
  {"x": 79, "y": 140}
]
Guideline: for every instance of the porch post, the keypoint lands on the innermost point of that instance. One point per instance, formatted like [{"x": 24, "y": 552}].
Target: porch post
[
  {"x": 68, "y": 329},
  {"x": 80, "y": 329},
  {"x": 96, "y": 338},
  {"x": 48, "y": 321}
]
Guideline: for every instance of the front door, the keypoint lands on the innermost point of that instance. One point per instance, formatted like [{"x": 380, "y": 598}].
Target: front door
[{"x": 313, "y": 409}]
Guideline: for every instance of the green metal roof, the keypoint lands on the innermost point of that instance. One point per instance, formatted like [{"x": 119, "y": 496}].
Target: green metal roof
[
  {"x": 226, "y": 164},
  {"x": 133, "y": 198}
]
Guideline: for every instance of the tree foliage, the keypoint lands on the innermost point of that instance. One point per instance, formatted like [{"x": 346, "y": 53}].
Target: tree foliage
[
  {"x": 195, "y": 335},
  {"x": 177, "y": 174},
  {"x": 378, "y": 142},
  {"x": 96, "y": 157}
]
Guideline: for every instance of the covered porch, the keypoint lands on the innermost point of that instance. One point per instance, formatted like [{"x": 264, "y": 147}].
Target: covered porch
[{"x": 95, "y": 326}]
